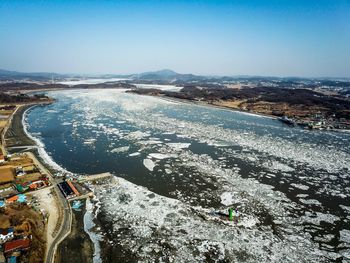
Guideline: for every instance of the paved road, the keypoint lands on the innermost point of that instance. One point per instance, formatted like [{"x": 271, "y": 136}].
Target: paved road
[
  {"x": 65, "y": 229},
  {"x": 66, "y": 222}
]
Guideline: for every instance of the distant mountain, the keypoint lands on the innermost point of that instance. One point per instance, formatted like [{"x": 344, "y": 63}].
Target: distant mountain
[
  {"x": 6, "y": 72},
  {"x": 161, "y": 73},
  {"x": 40, "y": 76},
  {"x": 161, "y": 76},
  {"x": 165, "y": 75}
]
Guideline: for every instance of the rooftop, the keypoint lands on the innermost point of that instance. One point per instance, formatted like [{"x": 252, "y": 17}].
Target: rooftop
[
  {"x": 5, "y": 231},
  {"x": 16, "y": 244}
]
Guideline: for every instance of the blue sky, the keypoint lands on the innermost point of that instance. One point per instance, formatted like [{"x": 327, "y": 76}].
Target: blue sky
[{"x": 275, "y": 37}]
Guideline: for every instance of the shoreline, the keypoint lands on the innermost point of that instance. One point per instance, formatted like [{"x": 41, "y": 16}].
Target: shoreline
[
  {"x": 256, "y": 114},
  {"x": 17, "y": 133},
  {"x": 173, "y": 99},
  {"x": 201, "y": 104},
  {"x": 39, "y": 147},
  {"x": 207, "y": 104},
  {"x": 77, "y": 244},
  {"x": 28, "y": 143},
  {"x": 187, "y": 101}
]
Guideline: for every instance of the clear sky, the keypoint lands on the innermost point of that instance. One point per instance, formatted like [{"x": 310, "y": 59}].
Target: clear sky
[{"x": 271, "y": 37}]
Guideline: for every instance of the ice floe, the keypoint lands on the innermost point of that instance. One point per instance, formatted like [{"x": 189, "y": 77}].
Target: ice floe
[
  {"x": 134, "y": 154},
  {"x": 160, "y": 156},
  {"x": 120, "y": 149},
  {"x": 300, "y": 186},
  {"x": 149, "y": 164},
  {"x": 173, "y": 231},
  {"x": 345, "y": 236},
  {"x": 199, "y": 170},
  {"x": 178, "y": 146},
  {"x": 227, "y": 199}
]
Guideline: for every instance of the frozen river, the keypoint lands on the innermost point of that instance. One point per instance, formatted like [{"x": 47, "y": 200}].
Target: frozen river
[{"x": 181, "y": 162}]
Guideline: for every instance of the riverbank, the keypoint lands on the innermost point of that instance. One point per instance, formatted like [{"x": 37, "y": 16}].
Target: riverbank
[
  {"x": 72, "y": 232},
  {"x": 15, "y": 135},
  {"x": 59, "y": 225},
  {"x": 77, "y": 246},
  {"x": 17, "y": 139},
  {"x": 207, "y": 104},
  {"x": 200, "y": 103},
  {"x": 229, "y": 108}
]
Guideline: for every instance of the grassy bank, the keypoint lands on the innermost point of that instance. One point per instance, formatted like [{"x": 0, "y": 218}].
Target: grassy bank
[{"x": 15, "y": 135}]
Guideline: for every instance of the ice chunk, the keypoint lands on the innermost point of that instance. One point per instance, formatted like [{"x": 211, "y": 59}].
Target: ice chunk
[
  {"x": 178, "y": 146},
  {"x": 134, "y": 154},
  {"x": 300, "y": 186},
  {"x": 248, "y": 222},
  {"x": 137, "y": 135},
  {"x": 89, "y": 141},
  {"x": 345, "y": 236},
  {"x": 319, "y": 217},
  {"x": 227, "y": 198},
  {"x": 120, "y": 149},
  {"x": 150, "y": 142},
  {"x": 310, "y": 202},
  {"x": 160, "y": 156},
  {"x": 149, "y": 164}
]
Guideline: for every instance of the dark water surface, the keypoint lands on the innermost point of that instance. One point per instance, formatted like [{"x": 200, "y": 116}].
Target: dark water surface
[{"x": 195, "y": 154}]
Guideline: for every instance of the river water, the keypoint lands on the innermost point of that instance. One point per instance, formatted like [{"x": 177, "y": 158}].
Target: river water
[{"x": 178, "y": 163}]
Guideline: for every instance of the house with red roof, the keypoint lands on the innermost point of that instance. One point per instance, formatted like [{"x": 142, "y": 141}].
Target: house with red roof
[{"x": 16, "y": 245}]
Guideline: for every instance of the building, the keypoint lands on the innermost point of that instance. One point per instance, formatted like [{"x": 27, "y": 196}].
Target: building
[
  {"x": 37, "y": 184},
  {"x": 66, "y": 190},
  {"x": 16, "y": 245},
  {"x": 73, "y": 188},
  {"x": 20, "y": 171},
  {"x": 6, "y": 234},
  {"x": 20, "y": 198}
]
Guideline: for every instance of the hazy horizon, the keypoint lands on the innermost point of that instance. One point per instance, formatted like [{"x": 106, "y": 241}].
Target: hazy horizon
[
  {"x": 224, "y": 38},
  {"x": 98, "y": 75}
]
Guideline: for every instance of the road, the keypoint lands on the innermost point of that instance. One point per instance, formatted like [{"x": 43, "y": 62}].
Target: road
[
  {"x": 66, "y": 221},
  {"x": 64, "y": 231}
]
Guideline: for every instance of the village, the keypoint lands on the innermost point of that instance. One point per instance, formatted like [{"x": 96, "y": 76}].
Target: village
[
  {"x": 317, "y": 122},
  {"x": 35, "y": 207}
]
